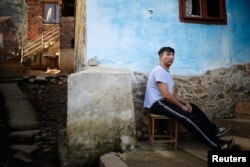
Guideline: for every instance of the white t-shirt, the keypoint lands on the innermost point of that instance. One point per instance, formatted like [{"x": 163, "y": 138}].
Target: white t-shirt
[{"x": 153, "y": 94}]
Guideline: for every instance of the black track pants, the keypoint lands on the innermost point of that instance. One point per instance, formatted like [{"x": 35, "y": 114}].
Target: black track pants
[{"x": 197, "y": 121}]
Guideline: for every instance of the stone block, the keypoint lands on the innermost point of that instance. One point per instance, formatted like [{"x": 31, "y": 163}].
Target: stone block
[
  {"x": 100, "y": 113},
  {"x": 111, "y": 160}
]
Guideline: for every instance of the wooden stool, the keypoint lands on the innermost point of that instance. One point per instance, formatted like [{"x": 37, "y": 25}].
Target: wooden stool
[{"x": 172, "y": 128}]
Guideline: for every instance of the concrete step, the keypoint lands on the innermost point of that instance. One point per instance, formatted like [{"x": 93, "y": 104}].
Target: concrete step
[
  {"x": 24, "y": 134},
  {"x": 198, "y": 149},
  {"x": 111, "y": 159},
  {"x": 241, "y": 143},
  {"x": 194, "y": 147},
  {"x": 24, "y": 137},
  {"x": 10, "y": 70},
  {"x": 239, "y": 127},
  {"x": 21, "y": 113},
  {"x": 23, "y": 157},
  {"x": 242, "y": 110},
  {"x": 26, "y": 149},
  {"x": 159, "y": 155},
  {"x": 10, "y": 80}
]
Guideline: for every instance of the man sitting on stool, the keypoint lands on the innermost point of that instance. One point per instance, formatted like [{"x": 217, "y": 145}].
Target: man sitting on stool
[{"x": 162, "y": 99}]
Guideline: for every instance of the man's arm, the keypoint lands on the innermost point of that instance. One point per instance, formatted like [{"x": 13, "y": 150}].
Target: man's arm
[
  {"x": 173, "y": 98},
  {"x": 182, "y": 101}
]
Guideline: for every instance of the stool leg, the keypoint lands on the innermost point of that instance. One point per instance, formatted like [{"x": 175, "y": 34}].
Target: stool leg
[
  {"x": 150, "y": 129},
  {"x": 176, "y": 133},
  {"x": 170, "y": 129},
  {"x": 153, "y": 130}
]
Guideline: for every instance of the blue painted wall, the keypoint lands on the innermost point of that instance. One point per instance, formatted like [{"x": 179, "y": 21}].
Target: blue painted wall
[{"x": 124, "y": 34}]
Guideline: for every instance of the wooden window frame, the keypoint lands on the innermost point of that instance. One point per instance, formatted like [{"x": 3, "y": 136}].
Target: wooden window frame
[
  {"x": 203, "y": 18},
  {"x": 55, "y": 13}
]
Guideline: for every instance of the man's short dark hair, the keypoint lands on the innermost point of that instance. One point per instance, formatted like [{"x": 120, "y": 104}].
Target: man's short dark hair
[{"x": 167, "y": 49}]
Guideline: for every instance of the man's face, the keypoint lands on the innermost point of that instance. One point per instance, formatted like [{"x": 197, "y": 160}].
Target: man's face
[{"x": 167, "y": 58}]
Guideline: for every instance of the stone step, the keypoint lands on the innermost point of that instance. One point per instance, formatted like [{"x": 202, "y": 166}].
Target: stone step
[
  {"x": 24, "y": 137},
  {"x": 20, "y": 111},
  {"x": 27, "y": 149},
  {"x": 241, "y": 143},
  {"x": 241, "y": 116},
  {"x": 242, "y": 107},
  {"x": 23, "y": 157},
  {"x": 198, "y": 149},
  {"x": 111, "y": 159},
  {"x": 9, "y": 80},
  {"x": 242, "y": 110},
  {"x": 24, "y": 134},
  {"x": 239, "y": 127},
  {"x": 194, "y": 147},
  {"x": 10, "y": 70}
]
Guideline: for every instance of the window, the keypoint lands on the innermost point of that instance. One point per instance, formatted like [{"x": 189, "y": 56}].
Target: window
[
  {"x": 203, "y": 11},
  {"x": 68, "y": 8},
  {"x": 51, "y": 13}
]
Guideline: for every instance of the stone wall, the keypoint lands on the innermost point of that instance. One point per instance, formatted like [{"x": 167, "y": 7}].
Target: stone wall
[
  {"x": 215, "y": 92},
  {"x": 67, "y": 30}
]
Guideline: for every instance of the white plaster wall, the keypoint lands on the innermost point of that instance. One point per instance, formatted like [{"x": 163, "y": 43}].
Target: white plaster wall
[{"x": 100, "y": 110}]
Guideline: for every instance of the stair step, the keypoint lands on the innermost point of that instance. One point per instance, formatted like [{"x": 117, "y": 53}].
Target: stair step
[
  {"x": 242, "y": 107},
  {"x": 241, "y": 143},
  {"x": 28, "y": 149},
  {"x": 23, "y": 157},
  {"x": 195, "y": 147},
  {"x": 241, "y": 116},
  {"x": 242, "y": 110},
  {"x": 24, "y": 134},
  {"x": 198, "y": 149},
  {"x": 10, "y": 71},
  {"x": 238, "y": 126}
]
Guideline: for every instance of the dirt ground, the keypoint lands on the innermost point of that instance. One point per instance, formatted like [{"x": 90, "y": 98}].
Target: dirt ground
[{"x": 50, "y": 101}]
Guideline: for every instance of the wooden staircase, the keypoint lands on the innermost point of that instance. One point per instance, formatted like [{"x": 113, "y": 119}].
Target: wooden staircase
[{"x": 40, "y": 43}]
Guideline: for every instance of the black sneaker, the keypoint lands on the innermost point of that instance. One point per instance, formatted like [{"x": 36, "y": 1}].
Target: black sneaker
[
  {"x": 221, "y": 131},
  {"x": 227, "y": 145}
]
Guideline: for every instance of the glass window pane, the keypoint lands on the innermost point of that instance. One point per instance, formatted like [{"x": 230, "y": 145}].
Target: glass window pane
[
  {"x": 213, "y": 8},
  {"x": 193, "y": 8},
  {"x": 49, "y": 12}
]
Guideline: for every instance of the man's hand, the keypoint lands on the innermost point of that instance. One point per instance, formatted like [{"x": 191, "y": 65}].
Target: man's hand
[{"x": 187, "y": 107}]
